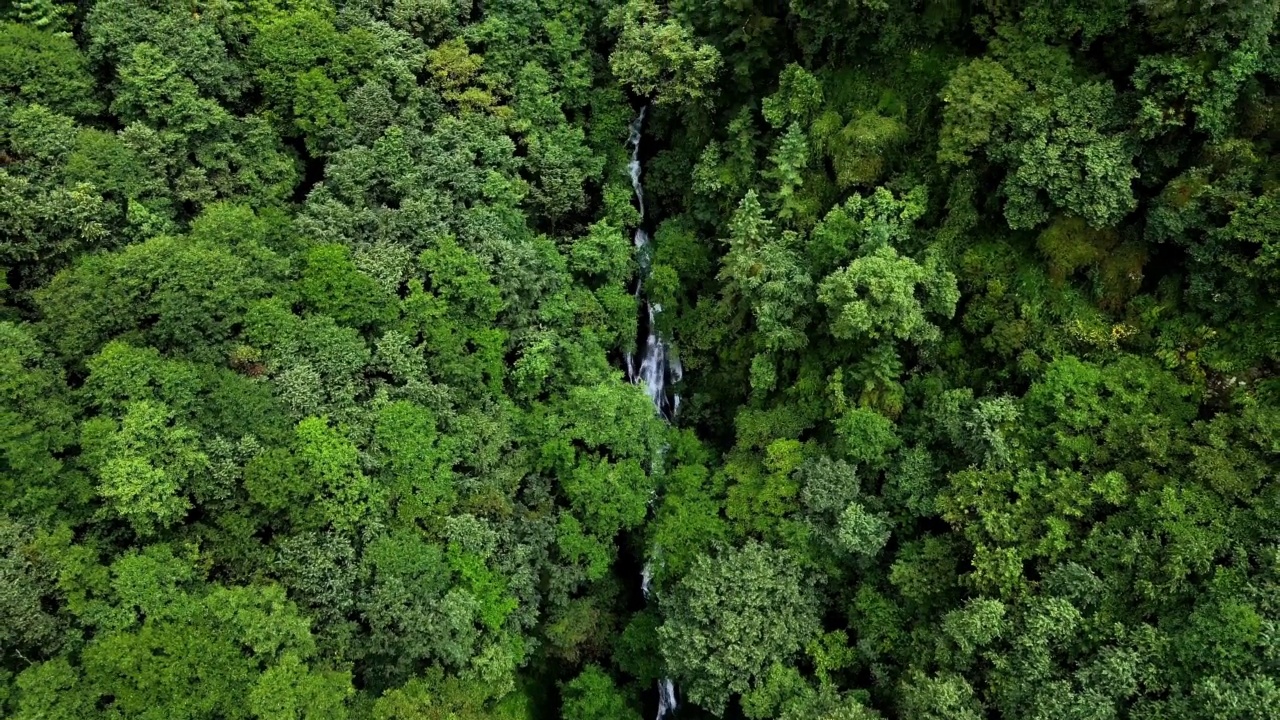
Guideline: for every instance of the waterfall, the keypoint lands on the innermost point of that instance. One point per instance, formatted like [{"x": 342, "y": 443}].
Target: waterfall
[
  {"x": 666, "y": 697},
  {"x": 652, "y": 366},
  {"x": 657, "y": 368}
]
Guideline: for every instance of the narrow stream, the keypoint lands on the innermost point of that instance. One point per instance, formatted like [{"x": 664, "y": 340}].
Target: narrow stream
[{"x": 652, "y": 366}]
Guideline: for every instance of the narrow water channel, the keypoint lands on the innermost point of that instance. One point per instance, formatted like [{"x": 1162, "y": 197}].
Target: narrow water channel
[{"x": 652, "y": 366}]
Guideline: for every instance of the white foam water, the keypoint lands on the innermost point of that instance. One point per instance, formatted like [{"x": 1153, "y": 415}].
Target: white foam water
[{"x": 657, "y": 368}]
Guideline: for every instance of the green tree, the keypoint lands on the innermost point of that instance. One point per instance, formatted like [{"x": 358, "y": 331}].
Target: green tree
[
  {"x": 39, "y": 66},
  {"x": 659, "y": 56},
  {"x": 934, "y": 698},
  {"x": 187, "y": 650},
  {"x": 29, "y": 629},
  {"x": 883, "y": 296},
  {"x": 730, "y": 618},
  {"x": 317, "y": 482},
  {"x": 37, "y": 429},
  {"x": 331, "y": 285},
  {"x": 145, "y": 464},
  {"x": 763, "y": 270},
  {"x": 181, "y": 295},
  {"x": 1059, "y": 136},
  {"x": 592, "y": 694}
]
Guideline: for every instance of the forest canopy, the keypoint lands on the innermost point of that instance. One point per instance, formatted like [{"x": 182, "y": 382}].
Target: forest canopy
[{"x": 319, "y": 324}]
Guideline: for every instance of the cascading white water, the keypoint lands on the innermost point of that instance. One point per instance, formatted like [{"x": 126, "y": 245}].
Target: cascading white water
[
  {"x": 666, "y": 697},
  {"x": 633, "y": 140},
  {"x": 667, "y": 702},
  {"x": 657, "y": 369}
]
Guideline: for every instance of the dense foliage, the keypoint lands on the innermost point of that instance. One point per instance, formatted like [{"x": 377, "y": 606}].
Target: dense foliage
[{"x": 313, "y": 315}]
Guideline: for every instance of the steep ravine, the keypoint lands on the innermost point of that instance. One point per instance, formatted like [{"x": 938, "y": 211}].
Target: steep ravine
[{"x": 652, "y": 366}]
